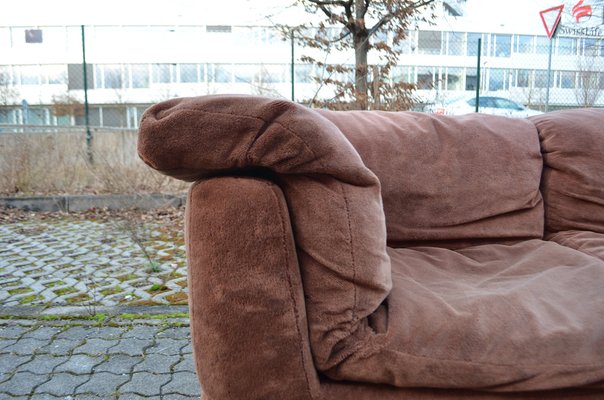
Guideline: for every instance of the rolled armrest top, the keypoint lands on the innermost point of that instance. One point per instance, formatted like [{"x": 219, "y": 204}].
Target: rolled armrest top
[{"x": 195, "y": 137}]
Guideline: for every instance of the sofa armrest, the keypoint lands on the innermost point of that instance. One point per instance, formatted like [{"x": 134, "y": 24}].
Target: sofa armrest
[
  {"x": 334, "y": 200},
  {"x": 248, "y": 319}
]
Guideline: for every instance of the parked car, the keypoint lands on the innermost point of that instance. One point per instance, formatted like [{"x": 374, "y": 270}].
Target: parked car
[{"x": 488, "y": 105}]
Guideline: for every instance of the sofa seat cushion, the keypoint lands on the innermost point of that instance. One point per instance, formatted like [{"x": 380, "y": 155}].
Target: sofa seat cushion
[
  {"x": 528, "y": 316},
  {"x": 591, "y": 243}
]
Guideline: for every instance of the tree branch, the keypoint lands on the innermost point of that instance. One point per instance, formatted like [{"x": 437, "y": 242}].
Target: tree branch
[
  {"x": 388, "y": 17},
  {"x": 329, "y": 3}
]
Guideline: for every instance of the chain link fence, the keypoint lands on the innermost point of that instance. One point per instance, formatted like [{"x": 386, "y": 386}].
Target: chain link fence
[{"x": 128, "y": 68}]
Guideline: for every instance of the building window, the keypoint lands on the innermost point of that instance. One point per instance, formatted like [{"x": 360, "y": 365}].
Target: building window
[
  {"x": 244, "y": 73},
  {"x": 219, "y": 29},
  {"x": 163, "y": 73},
  {"x": 472, "y": 44},
  {"x": 112, "y": 77},
  {"x": 429, "y": 42},
  {"x": 542, "y": 45},
  {"x": 425, "y": 78},
  {"x": 304, "y": 73},
  {"x": 115, "y": 116},
  {"x": 454, "y": 79},
  {"x": 188, "y": 73},
  {"x": 540, "y": 79},
  {"x": 220, "y": 73},
  {"x": 524, "y": 44},
  {"x": 497, "y": 79},
  {"x": 139, "y": 76},
  {"x": 502, "y": 46},
  {"x": 29, "y": 74},
  {"x": 471, "y": 79},
  {"x": 589, "y": 47},
  {"x": 56, "y": 74},
  {"x": 401, "y": 74},
  {"x": 523, "y": 78},
  {"x": 567, "y": 46},
  {"x": 455, "y": 44},
  {"x": 566, "y": 79}
]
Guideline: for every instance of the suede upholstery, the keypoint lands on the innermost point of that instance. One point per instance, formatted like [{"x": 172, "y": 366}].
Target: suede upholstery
[{"x": 372, "y": 255}]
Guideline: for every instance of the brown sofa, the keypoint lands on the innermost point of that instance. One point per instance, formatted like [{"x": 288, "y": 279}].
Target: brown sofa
[{"x": 373, "y": 255}]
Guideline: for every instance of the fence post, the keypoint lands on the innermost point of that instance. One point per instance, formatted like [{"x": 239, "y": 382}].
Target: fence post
[
  {"x": 549, "y": 71},
  {"x": 478, "y": 74},
  {"x": 86, "y": 108},
  {"x": 292, "y": 64}
]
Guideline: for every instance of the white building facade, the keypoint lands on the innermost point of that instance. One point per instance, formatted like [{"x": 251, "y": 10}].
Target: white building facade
[{"x": 129, "y": 67}]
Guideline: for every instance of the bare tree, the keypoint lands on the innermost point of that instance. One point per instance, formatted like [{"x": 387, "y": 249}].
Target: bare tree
[
  {"x": 362, "y": 26},
  {"x": 589, "y": 73}
]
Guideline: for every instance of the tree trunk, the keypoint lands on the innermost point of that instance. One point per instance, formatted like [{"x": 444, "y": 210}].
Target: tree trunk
[{"x": 361, "y": 48}]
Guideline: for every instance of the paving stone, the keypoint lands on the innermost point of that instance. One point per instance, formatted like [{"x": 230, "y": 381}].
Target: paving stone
[
  {"x": 186, "y": 363},
  {"x": 11, "y": 332},
  {"x": 156, "y": 363},
  {"x": 102, "y": 384},
  {"x": 10, "y": 363},
  {"x": 22, "y": 383},
  {"x": 118, "y": 364},
  {"x": 141, "y": 332},
  {"x": 43, "y": 364},
  {"x": 179, "y": 397},
  {"x": 166, "y": 346},
  {"x": 42, "y": 333},
  {"x": 95, "y": 346},
  {"x": 145, "y": 384},
  {"x": 26, "y": 346},
  {"x": 107, "y": 332},
  {"x": 60, "y": 347},
  {"x": 132, "y": 346},
  {"x": 62, "y": 384},
  {"x": 176, "y": 333},
  {"x": 185, "y": 383},
  {"x": 5, "y": 343},
  {"x": 75, "y": 333},
  {"x": 79, "y": 364}
]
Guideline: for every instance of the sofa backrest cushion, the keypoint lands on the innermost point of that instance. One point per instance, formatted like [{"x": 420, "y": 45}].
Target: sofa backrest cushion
[
  {"x": 573, "y": 176},
  {"x": 451, "y": 181},
  {"x": 334, "y": 199}
]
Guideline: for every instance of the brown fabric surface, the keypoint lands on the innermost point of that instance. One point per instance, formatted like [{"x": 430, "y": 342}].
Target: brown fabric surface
[
  {"x": 573, "y": 176},
  {"x": 357, "y": 391},
  {"x": 334, "y": 200},
  {"x": 451, "y": 180},
  {"x": 591, "y": 243},
  {"x": 248, "y": 319},
  {"x": 495, "y": 317}
]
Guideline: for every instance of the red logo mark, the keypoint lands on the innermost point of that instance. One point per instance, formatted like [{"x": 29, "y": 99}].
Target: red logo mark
[{"x": 581, "y": 11}]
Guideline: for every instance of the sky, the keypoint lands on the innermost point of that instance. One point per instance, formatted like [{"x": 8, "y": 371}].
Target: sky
[{"x": 514, "y": 14}]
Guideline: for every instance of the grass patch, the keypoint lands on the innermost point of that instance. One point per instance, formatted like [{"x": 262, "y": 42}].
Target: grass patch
[
  {"x": 53, "y": 284},
  {"x": 31, "y": 298},
  {"x": 64, "y": 291},
  {"x": 178, "y": 298},
  {"x": 78, "y": 298},
  {"x": 158, "y": 287},
  {"x": 20, "y": 291},
  {"x": 113, "y": 290}
]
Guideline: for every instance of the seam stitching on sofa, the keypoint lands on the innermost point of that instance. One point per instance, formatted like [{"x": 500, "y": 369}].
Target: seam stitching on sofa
[
  {"x": 352, "y": 259},
  {"x": 289, "y": 282}
]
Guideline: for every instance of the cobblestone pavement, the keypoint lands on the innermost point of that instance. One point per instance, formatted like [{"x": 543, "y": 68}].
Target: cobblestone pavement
[
  {"x": 73, "y": 359},
  {"x": 70, "y": 261}
]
